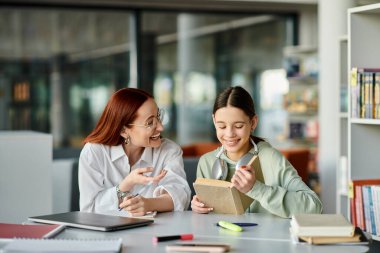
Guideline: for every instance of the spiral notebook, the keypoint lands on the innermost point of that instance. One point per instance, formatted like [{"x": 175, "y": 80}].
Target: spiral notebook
[{"x": 56, "y": 245}]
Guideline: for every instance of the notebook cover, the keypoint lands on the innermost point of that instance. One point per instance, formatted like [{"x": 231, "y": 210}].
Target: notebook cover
[
  {"x": 10, "y": 231},
  {"x": 92, "y": 221},
  {"x": 321, "y": 225},
  {"x": 221, "y": 196}
]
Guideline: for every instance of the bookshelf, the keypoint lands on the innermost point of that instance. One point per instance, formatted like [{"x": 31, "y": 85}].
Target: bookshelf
[
  {"x": 301, "y": 64},
  {"x": 301, "y": 103},
  {"x": 363, "y": 134},
  {"x": 342, "y": 201}
]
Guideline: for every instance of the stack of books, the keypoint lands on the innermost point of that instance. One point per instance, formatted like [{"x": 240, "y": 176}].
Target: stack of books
[{"x": 325, "y": 229}]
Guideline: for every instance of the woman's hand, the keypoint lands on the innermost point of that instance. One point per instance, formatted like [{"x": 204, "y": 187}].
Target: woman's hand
[
  {"x": 137, "y": 177},
  {"x": 136, "y": 205},
  {"x": 244, "y": 179},
  {"x": 199, "y": 207}
]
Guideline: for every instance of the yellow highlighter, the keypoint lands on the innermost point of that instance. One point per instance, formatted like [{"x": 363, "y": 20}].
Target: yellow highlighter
[{"x": 230, "y": 226}]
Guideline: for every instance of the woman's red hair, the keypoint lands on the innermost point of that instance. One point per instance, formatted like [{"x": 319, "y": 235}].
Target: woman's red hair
[{"x": 119, "y": 112}]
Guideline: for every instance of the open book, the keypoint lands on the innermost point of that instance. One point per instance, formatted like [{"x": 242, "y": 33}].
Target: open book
[{"x": 221, "y": 196}]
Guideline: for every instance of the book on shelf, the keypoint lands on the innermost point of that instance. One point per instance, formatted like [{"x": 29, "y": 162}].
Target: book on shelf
[
  {"x": 321, "y": 225},
  {"x": 359, "y": 237},
  {"x": 371, "y": 208},
  {"x": 355, "y": 194},
  {"x": 10, "y": 231},
  {"x": 221, "y": 196},
  {"x": 365, "y": 93},
  {"x": 64, "y": 245},
  {"x": 359, "y": 213}
]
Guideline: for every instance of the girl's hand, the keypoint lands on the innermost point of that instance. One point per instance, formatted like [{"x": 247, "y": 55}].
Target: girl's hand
[
  {"x": 244, "y": 179},
  {"x": 136, "y": 205},
  {"x": 199, "y": 207},
  {"x": 137, "y": 177}
]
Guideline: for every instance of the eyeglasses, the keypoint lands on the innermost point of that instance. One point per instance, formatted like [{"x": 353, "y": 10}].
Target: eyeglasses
[{"x": 152, "y": 122}]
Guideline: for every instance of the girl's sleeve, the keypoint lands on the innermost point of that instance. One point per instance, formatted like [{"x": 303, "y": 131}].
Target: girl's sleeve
[{"x": 289, "y": 195}]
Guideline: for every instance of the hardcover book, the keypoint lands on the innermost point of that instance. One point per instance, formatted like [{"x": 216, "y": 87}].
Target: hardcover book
[
  {"x": 221, "y": 196},
  {"x": 321, "y": 225},
  {"x": 358, "y": 238}
]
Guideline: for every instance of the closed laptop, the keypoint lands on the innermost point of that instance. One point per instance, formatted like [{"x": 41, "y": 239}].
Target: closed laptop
[{"x": 92, "y": 221}]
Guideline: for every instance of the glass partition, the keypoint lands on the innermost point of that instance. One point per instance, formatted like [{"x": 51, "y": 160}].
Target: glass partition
[
  {"x": 198, "y": 55},
  {"x": 58, "y": 69}
]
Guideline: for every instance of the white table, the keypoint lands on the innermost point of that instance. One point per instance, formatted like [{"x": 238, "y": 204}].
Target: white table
[{"x": 271, "y": 235}]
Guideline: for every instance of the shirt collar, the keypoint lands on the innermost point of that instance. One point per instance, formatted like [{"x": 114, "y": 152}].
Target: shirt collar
[
  {"x": 117, "y": 152},
  {"x": 220, "y": 153},
  {"x": 146, "y": 157}
]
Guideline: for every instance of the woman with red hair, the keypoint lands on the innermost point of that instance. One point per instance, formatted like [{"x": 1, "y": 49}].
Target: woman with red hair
[{"x": 125, "y": 164}]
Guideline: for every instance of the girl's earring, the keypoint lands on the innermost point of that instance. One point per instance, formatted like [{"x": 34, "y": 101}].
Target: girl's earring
[{"x": 127, "y": 140}]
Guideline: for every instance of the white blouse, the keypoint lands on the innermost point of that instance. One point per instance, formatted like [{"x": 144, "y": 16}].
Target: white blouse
[{"x": 102, "y": 168}]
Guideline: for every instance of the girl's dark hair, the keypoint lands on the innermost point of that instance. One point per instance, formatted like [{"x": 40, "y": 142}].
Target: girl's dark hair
[{"x": 237, "y": 97}]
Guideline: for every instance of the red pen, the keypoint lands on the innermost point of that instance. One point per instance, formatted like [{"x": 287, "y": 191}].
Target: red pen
[{"x": 183, "y": 237}]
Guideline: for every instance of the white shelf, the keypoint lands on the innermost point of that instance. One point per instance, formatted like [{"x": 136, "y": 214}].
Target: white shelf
[
  {"x": 342, "y": 167},
  {"x": 343, "y": 38},
  {"x": 367, "y": 9},
  {"x": 363, "y": 135},
  {"x": 303, "y": 80},
  {"x": 298, "y": 50},
  {"x": 365, "y": 121},
  {"x": 343, "y": 194}
]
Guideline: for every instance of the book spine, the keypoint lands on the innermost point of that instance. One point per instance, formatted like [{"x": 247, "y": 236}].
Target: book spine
[
  {"x": 370, "y": 99},
  {"x": 351, "y": 195},
  {"x": 363, "y": 96},
  {"x": 237, "y": 202},
  {"x": 377, "y": 212},
  {"x": 359, "y": 207},
  {"x": 354, "y": 85},
  {"x": 371, "y": 210},
  {"x": 366, "y": 209},
  {"x": 358, "y": 95},
  {"x": 375, "y": 208},
  {"x": 377, "y": 96}
]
